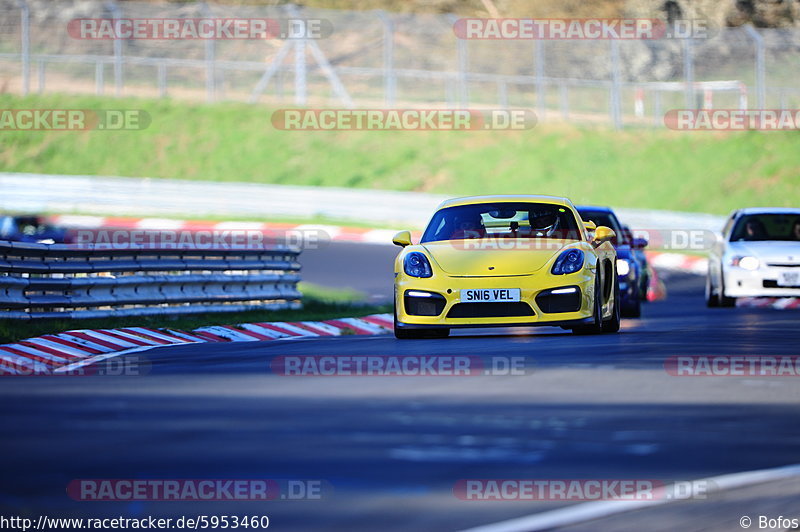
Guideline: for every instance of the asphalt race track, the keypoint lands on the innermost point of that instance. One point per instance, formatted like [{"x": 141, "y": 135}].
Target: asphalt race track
[{"x": 389, "y": 450}]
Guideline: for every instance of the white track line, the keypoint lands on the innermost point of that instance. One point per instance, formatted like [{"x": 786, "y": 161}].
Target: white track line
[{"x": 580, "y": 513}]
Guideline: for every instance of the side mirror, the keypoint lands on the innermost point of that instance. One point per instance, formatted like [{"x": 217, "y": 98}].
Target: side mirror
[
  {"x": 402, "y": 239},
  {"x": 603, "y": 234},
  {"x": 639, "y": 243},
  {"x": 590, "y": 226}
]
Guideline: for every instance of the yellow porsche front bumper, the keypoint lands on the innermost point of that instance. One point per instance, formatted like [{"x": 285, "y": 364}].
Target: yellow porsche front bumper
[{"x": 571, "y": 303}]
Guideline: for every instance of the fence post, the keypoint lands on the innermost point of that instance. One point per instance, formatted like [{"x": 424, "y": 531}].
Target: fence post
[
  {"x": 688, "y": 73},
  {"x": 210, "y": 49},
  {"x": 658, "y": 120},
  {"x": 25, "y": 51},
  {"x": 162, "y": 79},
  {"x": 502, "y": 94},
  {"x": 540, "y": 103},
  {"x": 616, "y": 86},
  {"x": 40, "y": 75},
  {"x": 758, "y": 40},
  {"x": 463, "y": 64},
  {"x": 99, "y": 66},
  {"x": 389, "y": 78},
  {"x": 116, "y": 14}
]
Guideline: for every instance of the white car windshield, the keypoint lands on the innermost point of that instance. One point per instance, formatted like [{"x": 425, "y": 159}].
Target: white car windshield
[{"x": 758, "y": 227}]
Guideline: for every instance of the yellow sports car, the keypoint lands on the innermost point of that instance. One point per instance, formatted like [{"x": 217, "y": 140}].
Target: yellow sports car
[{"x": 502, "y": 261}]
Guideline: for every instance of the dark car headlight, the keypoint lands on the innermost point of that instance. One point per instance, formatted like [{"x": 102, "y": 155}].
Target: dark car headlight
[
  {"x": 416, "y": 264},
  {"x": 570, "y": 261}
]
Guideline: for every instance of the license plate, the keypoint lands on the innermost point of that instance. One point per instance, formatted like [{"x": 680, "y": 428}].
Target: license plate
[
  {"x": 789, "y": 279},
  {"x": 489, "y": 295}
]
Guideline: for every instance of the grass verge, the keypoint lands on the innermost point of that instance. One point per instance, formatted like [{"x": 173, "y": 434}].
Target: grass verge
[{"x": 646, "y": 168}]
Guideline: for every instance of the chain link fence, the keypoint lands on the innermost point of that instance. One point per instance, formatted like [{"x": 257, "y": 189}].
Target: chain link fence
[{"x": 374, "y": 59}]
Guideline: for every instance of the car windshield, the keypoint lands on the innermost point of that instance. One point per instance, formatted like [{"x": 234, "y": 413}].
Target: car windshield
[
  {"x": 607, "y": 219},
  {"x": 503, "y": 220},
  {"x": 755, "y": 227}
]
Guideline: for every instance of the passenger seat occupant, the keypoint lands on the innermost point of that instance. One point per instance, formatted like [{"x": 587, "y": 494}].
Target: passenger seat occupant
[
  {"x": 796, "y": 230},
  {"x": 467, "y": 229}
]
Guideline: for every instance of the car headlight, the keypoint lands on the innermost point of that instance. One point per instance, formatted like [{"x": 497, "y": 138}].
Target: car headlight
[
  {"x": 570, "y": 261},
  {"x": 746, "y": 262},
  {"x": 623, "y": 267},
  {"x": 416, "y": 264}
]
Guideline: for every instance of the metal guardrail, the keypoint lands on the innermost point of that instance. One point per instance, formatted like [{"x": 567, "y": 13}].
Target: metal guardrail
[
  {"x": 98, "y": 195},
  {"x": 69, "y": 281}
]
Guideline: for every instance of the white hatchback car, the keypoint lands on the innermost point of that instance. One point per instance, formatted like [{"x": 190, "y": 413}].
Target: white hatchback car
[{"x": 758, "y": 255}]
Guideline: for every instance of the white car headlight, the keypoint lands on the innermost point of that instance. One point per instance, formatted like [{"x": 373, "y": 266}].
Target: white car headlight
[
  {"x": 623, "y": 267},
  {"x": 746, "y": 262}
]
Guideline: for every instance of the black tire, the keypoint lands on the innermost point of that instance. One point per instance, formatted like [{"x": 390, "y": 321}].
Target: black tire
[
  {"x": 711, "y": 298},
  {"x": 613, "y": 324},
  {"x": 634, "y": 310},
  {"x": 596, "y": 327},
  {"x": 723, "y": 300},
  {"x": 644, "y": 288},
  {"x": 418, "y": 334},
  {"x": 406, "y": 334}
]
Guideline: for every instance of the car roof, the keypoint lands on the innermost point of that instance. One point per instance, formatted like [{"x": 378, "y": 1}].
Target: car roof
[
  {"x": 507, "y": 198},
  {"x": 768, "y": 210}
]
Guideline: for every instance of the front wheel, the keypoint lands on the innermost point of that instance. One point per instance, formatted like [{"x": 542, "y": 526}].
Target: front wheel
[
  {"x": 596, "y": 327},
  {"x": 711, "y": 298},
  {"x": 724, "y": 301},
  {"x": 612, "y": 325},
  {"x": 634, "y": 307}
]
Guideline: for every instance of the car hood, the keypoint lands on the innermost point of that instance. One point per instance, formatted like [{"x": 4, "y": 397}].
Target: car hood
[
  {"x": 771, "y": 251},
  {"x": 480, "y": 258}
]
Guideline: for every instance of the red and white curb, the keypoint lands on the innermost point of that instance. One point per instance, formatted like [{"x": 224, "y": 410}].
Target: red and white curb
[
  {"x": 71, "y": 350},
  {"x": 779, "y": 303},
  {"x": 677, "y": 262}
]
